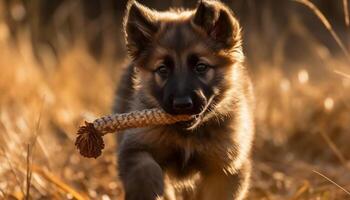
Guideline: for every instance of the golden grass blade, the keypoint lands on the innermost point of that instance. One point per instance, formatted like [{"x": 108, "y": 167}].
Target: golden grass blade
[
  {"x": 58, "y": 182},
  {"x": 2, "y": 194},
  {"x": 346, "y": 13},
  {"x": 30, "y": 150},
  {"x": 335, "y": 149},
  {"x": 28, "y": 172},
  {"x": 342, "y": 74},
  {"x": 304, "y": 188},
  {"x": 334, "y": 183},
  {"x": 36, "y": 134},
  {"x": 12, "y": 169},
  {"x": 326, "y": 23},
  {"x": 36, "y": 138}
]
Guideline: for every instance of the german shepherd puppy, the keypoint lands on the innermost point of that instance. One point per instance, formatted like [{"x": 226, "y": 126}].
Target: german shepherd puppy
[{"x": 186, "y": 62}]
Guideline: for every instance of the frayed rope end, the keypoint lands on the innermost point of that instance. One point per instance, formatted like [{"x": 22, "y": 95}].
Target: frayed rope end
[{"x": 89, "y": 141}]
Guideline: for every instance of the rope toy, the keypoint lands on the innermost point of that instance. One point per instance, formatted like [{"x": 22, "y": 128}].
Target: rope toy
[{"x": 90, "y": 142}]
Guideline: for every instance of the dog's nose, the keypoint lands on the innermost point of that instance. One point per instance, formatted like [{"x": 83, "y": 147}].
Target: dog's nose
[{"x": 182, "y": 103}]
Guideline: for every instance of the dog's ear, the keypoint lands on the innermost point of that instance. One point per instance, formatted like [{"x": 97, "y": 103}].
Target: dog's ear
[
  {"x": 218, "y": 22},
  {"x": 140, "y": 25}
]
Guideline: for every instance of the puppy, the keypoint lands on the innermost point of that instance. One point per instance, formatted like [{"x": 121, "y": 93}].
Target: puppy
[{"x": 186, "y": 62}]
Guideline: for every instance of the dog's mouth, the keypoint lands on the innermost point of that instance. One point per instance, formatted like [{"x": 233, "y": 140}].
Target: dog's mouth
[
  {"x": 190, "y": 124},
  {"x": 196, "y": 119}
]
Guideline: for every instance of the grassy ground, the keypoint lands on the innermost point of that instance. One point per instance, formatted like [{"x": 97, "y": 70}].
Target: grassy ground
[{"x": 303, "y": 126}]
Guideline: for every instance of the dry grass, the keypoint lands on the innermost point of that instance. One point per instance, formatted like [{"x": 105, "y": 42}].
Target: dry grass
[
  {"x": 302, "y": 127},
  {"x": 328, "y": 25},
  {"x": 346, "y": 12},
  {"x": 78, "y": 88},
  {"x": 303, "y": 124}
]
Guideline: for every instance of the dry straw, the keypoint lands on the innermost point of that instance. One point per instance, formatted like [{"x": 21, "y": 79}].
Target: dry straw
[
  {"x": 328, "y": 25},
  {"x": 346, "y": 13},
  {"x": 89, "y": 140}
]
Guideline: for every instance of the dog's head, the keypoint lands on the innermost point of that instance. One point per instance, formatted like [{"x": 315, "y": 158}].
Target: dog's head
[{"x": 183, "y": 59}]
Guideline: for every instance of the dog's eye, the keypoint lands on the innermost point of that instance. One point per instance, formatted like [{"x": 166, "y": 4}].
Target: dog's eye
[
  {"x": 201, "y": 68},
  {"x": 162, "y": 70}
]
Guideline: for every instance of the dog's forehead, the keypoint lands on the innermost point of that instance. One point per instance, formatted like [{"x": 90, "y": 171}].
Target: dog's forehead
[{"x": 178, "y": 36}]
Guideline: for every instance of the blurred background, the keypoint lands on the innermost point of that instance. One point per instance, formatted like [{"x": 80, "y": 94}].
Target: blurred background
[{"x": 60, "y": 62}]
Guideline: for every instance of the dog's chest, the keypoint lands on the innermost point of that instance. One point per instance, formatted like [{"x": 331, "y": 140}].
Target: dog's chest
[
  {"x": 182, "y": 154},
  {"x": 181, "y": 162},
  {"x": 188, "y": 159}
]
